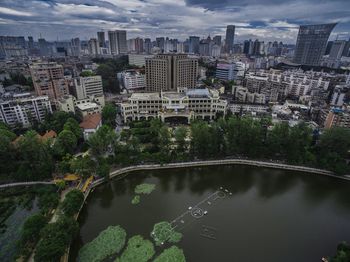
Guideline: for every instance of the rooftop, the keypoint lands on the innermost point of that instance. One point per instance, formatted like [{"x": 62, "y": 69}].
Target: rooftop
[
  {"x": 198, "y": 93},
  {"x": 91, "y": 121},
  {"x": 87, "y": 106}
]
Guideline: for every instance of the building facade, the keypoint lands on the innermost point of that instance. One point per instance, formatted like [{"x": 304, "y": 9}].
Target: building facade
[
  {"x": 171, "y": 72},
  {"x": 311, "y": 43},
  {"x": 230, "y": 37},
  {"x": 117, "y": 42},
  {"x": 195, "y": 103},
  {"x": 88, "y": 86},
  {"x": 133, "y": 80},
  {"x": 48, "y": 80},
  {"x": 24, "y": 109}
]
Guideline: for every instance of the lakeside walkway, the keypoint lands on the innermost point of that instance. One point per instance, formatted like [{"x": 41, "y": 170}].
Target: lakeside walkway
[
  {"x": 233, "y": 161},
  {"x": 27, "y": 184}
]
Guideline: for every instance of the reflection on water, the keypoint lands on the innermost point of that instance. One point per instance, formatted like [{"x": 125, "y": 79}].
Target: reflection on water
[{"x": 273, "y": 215}]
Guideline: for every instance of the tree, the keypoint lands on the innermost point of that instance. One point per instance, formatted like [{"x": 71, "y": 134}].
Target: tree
[
  {"x": 7, "y": 153},
  {"x": 55, "y": 237},
  {"x": 72, "y": 202},
  {"x": 33, "y": 158},
  {"x": 103, "y": 168},
  {"x": 109, "y": 113},
  {"x": 332, "y": 149},
  {"x": 102, "y": 141},
  {"x": 66, "y": 143},
  {"x": 83, "y": 166},
  {"x": 73, "y": 126},
  {"x": 31, "y": 228},
  {"x": 180, "y": 137},
  {"x": 200, "y": 137},
  {"x": 86, "y": 74}
]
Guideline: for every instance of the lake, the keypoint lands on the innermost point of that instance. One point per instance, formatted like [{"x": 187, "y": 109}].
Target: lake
[{"x": 266, "y": 214}]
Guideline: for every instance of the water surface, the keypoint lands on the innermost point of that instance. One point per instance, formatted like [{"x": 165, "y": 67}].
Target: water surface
[{"x": 272, "y": 215}]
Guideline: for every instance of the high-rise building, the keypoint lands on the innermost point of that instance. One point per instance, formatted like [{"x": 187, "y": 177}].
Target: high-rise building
[
  {"x": 160, "y": 43},
  {"x": 75, "y": 46},
  {"x": 30, "y": 42},
  {"x": 139, "y": 45},
  {"x": 93, "y": 47},
  {"x": 117, "y": 42},
  {"x": 171, "y": 72},
  {"x": 101, "y": 39},
  {"x": 48, "y": 79},
  {"x": 147, "y": 46},
  {"x": 311, "y": 43},
  {"x": 230, "y": 37},
  {"x": 217, "y": 40},
  {"x": 194, "y": 45}
]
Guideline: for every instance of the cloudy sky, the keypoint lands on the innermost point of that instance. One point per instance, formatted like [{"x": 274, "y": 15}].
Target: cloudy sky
[{"x": 263, "y": 19}]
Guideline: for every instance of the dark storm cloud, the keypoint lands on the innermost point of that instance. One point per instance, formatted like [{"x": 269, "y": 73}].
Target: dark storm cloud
[{"x": 263, "y": 19}]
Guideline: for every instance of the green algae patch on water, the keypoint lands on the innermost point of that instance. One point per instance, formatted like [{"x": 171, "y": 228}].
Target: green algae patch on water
[
  {"x": 163, "y": 232},
  {"x": 172, "y": 254},
  {"x": 145, "y": 188},
  {"x": 109, "y": 242},
  {"x": 135, "y": 200},
  {"x": 137, "y": 250}
]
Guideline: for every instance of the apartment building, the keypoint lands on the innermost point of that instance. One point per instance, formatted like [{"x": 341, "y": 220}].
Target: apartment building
[
  {"x": 48, "y": 80},
  {"x": 24, "y": 109},
  {"x": 133, "y": 80}
]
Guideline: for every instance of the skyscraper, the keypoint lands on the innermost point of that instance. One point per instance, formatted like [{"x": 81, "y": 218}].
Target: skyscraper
[
  {"x": 93, "y": 46},
  {"x": 311, "y": 43},
  {"x": 117, "y": 42},
  {"x": 230, "y": 37},
  {"x": 217, "y": 40},
  {"x": 171, "y": 72},
  {"x": 194, "y": 45},
  {"x": 101, "y": 39}
]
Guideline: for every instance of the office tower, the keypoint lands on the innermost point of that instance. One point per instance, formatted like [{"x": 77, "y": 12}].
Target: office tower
[
  {"x": 30, "y": 42},
  {"x": 147, "y": 46},
  {"x": 160, "y": 42},
  {"x": 88, "y": 86},
  {"x": 205, "y": 47},
  {"x": 101, "y": 39},
  {"x": 230, "y": 37},
  {"x": 193, "y": 45},
  {"x": 93, "y": 47},
  {"x": 171, "y": 72},
  {"x": 311, "y": 43},
  {"x": 12, "y": 46},
  {"x": 117, "y": 42},
  {"x": 336, "y": 53},
  {"x": 246, "y": 46},
  {"x": 48, "y": 79},
  {"x": 75, "y": 46},
  {"x": 139, "y": 45},
  {"x": 44, "y": 47},
  {"x": 347, "y": 49},
  {"x": 328, "y": 47},
  {"x": 217, "y": 40}
]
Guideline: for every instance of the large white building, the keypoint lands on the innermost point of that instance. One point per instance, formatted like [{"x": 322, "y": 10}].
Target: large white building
[
  {"x": 24, "y": 109},
  {"x": 133, "y": 80},
  {"x": 88, "y": 86},
  {"x": 191, "y": 104},
  {"x": 138, "y": 59}
]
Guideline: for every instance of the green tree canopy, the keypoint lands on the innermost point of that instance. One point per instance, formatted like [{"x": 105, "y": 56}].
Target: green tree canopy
[
  {"x": 109, "y": 113},
  {"x": 66, "y": 143},
  {"x": 73, "y": 126},
  {"x": 102, "y": 141},
  {"x": 72, "y": 202}
]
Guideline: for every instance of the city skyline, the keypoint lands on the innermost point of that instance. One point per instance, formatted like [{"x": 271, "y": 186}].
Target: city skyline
[{"x": 266, "y": 20}]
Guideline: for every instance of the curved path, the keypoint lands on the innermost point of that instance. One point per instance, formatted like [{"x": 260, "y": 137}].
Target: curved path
[
  {"x": 27, "y": 184},
  {"x": 235, "y": 161}
]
